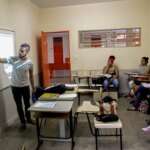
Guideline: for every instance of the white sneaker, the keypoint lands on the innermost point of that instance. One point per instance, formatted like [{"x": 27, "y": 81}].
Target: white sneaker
[{"x": 146, "y": 129}]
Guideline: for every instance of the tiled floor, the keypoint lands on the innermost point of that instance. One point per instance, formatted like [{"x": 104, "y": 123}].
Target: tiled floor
[{"x": 133, "y": 137}]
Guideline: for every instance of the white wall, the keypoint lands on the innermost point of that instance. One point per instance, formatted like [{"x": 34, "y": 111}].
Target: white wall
[
  {"x": 119, "y": 14},
  {"x": 22, "y": 17}
]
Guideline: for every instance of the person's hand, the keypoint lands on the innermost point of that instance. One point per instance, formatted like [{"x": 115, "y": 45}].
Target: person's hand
[
  {"x": 110, "y": 63},
  {"x": 33, "y": 89},
  {"x": 115, "y": 77}
]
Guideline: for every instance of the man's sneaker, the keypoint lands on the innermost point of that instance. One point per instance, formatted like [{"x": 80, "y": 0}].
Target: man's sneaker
[
  {"x": 147, "y": 129},
  {"x": 23, "y": 127},
  {"x": 132, "y": 109},
  {"x": 148, "y": 122}
]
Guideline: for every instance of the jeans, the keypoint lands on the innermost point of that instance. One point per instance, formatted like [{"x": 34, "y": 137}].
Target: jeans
[
  {"x": 18, "y": 94},
  {"x": 107, "y": 82},
  {"x": 141, "y": 94}
]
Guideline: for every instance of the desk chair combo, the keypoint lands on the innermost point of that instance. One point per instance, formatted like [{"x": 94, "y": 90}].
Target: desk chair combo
[
  {"x": 58, "y": 107},
  {"x": 92, "y": 108}
]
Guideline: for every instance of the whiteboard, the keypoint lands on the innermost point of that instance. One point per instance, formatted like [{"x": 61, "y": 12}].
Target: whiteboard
[{"x": 7, "y": 49}]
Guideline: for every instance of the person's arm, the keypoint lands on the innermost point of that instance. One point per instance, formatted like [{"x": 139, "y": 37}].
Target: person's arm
[
  {"x": 116, "y": 72},
  {"x": 106, "y": 69},
  {"x": 9, "y": 60},
  {"x": 3, "y": 60},
  {"x": 147, "y": 72},
  {"x": 113, "y": 107},
  {"x": 31, "y": 79}
]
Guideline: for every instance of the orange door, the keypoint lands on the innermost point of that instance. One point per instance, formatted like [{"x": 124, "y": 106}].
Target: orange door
[
  {"x": 44, "y": 60},
  {"x": 54, "y": 60},
  {"x": 58, "y": 50}
]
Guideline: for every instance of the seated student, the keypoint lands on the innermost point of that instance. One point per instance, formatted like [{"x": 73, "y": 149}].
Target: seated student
[
  {"x": 108, "y": 106},
  {"x": 140, "y": 94},
  {"x": 144, "y": 69},
  {"x": 108, "y": 110},
  {"x": 111, "y": 69}
]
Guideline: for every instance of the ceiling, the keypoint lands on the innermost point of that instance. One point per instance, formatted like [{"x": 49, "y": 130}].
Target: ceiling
[{"x": 57, "y": 3}]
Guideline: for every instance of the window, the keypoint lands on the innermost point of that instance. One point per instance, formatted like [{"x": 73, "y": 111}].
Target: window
[
  {"x": 110, "y": 38},
  {"x": 7, "y": 47}
]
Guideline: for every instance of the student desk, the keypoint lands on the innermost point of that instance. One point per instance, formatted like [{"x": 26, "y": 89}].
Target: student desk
[
  {"x": 139, "y": 77},
  {"x": 85, "y": 91},
  {"x": 67, "y": 96},
  {"x": 82, "y": 77},
  {"x": 61, "y": 110}
]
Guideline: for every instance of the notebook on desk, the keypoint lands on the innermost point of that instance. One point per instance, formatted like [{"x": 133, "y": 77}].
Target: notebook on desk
[{"x": 48, "y": 96}]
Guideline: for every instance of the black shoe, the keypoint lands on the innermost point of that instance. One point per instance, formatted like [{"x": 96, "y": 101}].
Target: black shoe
[
  {"x": 30, "y": 121},
  {"x": 23, "y": 127},
  {"x": 132, "y": 109},
  {"x": 148, "y": 122}
]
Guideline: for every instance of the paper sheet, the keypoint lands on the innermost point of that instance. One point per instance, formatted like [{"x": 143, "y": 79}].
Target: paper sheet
[
  {"x": 45, "y": 104},
  {"x": 66, "y": 96}
]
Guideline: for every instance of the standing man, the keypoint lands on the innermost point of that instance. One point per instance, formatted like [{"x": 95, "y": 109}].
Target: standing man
[
  {"x": 112, "y": 70},
  {"x": 21, "y": 77}
]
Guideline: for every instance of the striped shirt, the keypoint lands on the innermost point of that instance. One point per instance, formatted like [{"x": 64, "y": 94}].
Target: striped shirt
[{"x": 20, "y": 71}]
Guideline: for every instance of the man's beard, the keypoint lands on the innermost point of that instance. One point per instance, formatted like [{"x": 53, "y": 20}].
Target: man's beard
[{"x": 22, "y": 57}]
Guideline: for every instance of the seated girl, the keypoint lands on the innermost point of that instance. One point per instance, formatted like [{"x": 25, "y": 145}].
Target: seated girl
[{"x": 140, "y": 94}]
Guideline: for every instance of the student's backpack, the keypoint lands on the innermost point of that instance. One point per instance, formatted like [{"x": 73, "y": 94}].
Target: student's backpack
[
  {"x": 60, "y": 89},
  {"x": 107, "y": 118}
]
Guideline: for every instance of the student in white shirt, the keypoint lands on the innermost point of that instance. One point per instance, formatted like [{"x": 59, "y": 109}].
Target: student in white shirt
[{"x": 21, "y": 78}]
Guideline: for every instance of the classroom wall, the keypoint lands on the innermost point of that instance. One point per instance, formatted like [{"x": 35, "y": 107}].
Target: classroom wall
[
  {"x": 22, "y": 17},
  {"x": 106, "y": 15}
]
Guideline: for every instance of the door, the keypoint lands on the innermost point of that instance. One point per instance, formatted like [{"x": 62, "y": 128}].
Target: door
[
  {"x": 58, "y": 50},
  {"x": 60, "y": 68},
  {"x": 45, "y": 72},
  {"x": 55, "y": 58}
]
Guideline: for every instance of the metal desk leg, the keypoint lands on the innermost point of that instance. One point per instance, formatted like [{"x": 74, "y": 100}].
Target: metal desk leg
[
  {"x": 79, "y": 95},
  {"x": 89, "y": 122},
  {"x": 121, "y": 139},
  {"x": 62, "y": 128},
  {"x": 71, "y": 131},
  {"x": 38, "y": 133},
  {"x": 96, "y": 136}
]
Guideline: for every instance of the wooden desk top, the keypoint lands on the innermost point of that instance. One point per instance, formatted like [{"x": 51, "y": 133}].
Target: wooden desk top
[
  {"x": 140, "y": 77},
  {"x": 134, "y": 74}
]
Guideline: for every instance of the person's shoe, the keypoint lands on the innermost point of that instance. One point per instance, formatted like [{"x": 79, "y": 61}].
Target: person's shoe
[
  {"x": 23, "y": 127},
  {"x": 132, "y": 102},
  {"x": 146, "y": 129},
  {"x": 132, "y": 109},
  {"x": 148, "y": 122}
]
